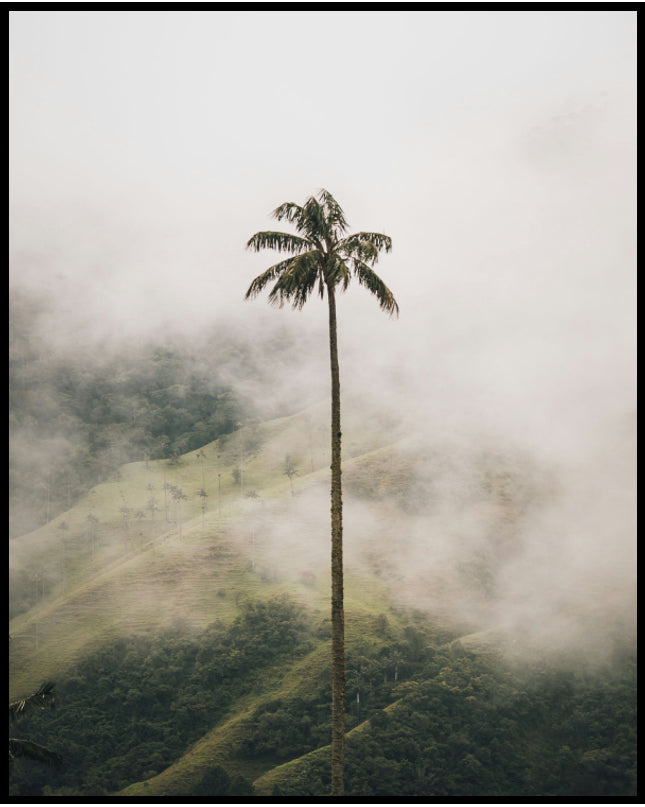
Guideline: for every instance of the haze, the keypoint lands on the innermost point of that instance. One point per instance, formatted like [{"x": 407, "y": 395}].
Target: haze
[{"x": 497, "y": 149}]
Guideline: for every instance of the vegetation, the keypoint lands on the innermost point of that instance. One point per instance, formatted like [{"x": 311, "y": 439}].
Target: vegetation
[
  {"x": 324, "y": 259},
  {"x": 77, "y": 415},
  {"x": 192, "y": 658},
  {"x": 470, "y": 727},
  {"x": 132, "y": 708},
  {"x": 27, "y": 749},
  {"x": 434, "y": 721}
]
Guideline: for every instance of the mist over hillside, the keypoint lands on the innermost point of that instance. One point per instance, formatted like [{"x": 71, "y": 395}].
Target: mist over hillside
[
  {"x": 169, "y": 441},
  {"x": 79, "y": 410},
  {"x": 169, "y": 610},
  {"x": 533, "y": 355}
]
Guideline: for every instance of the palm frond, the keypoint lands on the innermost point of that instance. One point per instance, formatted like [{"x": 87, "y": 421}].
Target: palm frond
[
  {"x": 44, "y": 696},
  {"x": 337, "y": 272},
  {"x": 321, "y": 219},
  {"x": 314, "y": 225},
  {"x": 368, "y": 278},
  {"x": 296, "y": 282},
  {"x": 261, "y": 281},
  {"x": 307, "y": 219},
  {"x": 289, "y": 211},
  {"x": 334, "y": 214},
  {"x": 365, "y": 246},
  {"x": 273, "y": 273},
  {"x": 27, "y": 748},
  {"x": 281, "y": 242}
]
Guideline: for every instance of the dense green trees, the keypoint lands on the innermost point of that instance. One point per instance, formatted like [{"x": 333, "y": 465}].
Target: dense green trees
[
  {"x": 216, "y": 784},
  {"x": 454, "y": 725},
  {"x": 324, "y": 260},
  {"x": 469, "y": 727},
  {"x": 128, "y": 711},
  {"x": 20, "y": 748}
]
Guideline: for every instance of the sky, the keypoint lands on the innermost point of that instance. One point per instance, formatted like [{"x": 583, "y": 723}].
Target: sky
[{"x": 496, "y": 148}]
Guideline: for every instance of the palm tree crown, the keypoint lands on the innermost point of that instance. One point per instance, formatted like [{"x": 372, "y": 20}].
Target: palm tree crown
[{"x": 321, "y": 255}]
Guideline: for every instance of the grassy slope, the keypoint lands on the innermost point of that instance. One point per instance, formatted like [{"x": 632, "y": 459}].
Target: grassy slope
[
  {"x": 147, "y": 572},
  {"x": 149, "y": 575},
  {"x": 296, "y": 770},
  {"x": 221, "y": 746}
]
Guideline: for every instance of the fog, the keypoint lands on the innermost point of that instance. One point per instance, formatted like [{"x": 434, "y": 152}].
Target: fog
[{"x": 497, "y": 149}]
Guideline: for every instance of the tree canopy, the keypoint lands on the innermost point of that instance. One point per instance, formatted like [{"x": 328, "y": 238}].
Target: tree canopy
[{"x": 321, "y": 255}]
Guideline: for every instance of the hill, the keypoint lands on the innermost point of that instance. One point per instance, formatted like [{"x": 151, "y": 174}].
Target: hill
[{"x": 182, "y": 608}]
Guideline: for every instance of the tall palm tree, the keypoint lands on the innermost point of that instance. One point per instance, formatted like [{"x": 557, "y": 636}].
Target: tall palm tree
[{"x": 324, "y": 259}]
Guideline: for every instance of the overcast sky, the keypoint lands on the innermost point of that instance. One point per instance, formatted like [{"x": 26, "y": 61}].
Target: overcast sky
[{"x": 497, "y": 149}]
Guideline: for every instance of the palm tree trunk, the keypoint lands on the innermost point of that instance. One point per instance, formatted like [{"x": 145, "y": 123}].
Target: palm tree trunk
[{"x": 337, "y": 612}]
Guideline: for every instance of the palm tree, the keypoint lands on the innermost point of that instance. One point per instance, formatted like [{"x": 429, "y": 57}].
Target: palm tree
[
  {"x": 201, "y": 457},
  {"x": 178, "y": 495},
  {"x": 290, "y": 470},
  {"x": 202, "y": 493},
  {"x": 324, "y": 259},
  {"x": 92, "y": 520},
  {"x": 63, "y": 527},
  {"x": 126, "y": 512}
]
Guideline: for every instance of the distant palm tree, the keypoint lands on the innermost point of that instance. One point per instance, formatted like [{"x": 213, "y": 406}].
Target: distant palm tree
[
  {"x": 92, "y": 520},
  {"x": 152, "y": 507},
  {"x": 64, "y": 528},
  {"x": 324, "y": 259},
  {"x": 178, "y": 496},
  {"x": 290, "y": 470},
  {"x": 43, "y": 697},
  {"x": 126, "y": 512},
  {"x": 166, "y": 489},
  {"x": 201, "y": 457},
  {"x": 203, "y": 495}
]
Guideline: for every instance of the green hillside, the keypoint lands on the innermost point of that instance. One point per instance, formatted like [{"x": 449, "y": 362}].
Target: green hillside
[
  {"x": 188, "y": 634},
  {"x": 117, "y": 562}
]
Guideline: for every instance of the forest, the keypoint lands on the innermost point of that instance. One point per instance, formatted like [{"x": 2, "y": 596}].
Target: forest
[{"x": 431, "y": 719}]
